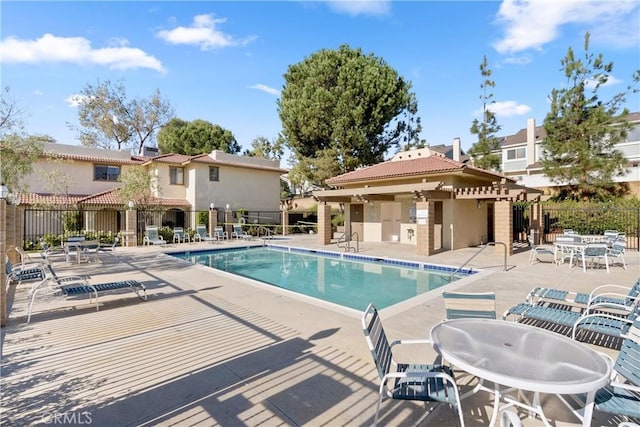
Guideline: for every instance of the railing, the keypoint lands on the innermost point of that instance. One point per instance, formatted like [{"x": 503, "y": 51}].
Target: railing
[
  {"x": 266, "y": 236},
  {"x": 347, "y": 247},
  {"x": 478, "y": 253}
]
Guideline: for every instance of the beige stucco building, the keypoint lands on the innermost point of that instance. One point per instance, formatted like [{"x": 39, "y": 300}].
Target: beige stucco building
[
  {"x": 425, "y": 199},
  {"x": 88, "y": 179}
]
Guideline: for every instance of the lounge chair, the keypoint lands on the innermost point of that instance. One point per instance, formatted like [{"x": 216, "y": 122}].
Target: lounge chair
[
  {"x": 202, "y": 235},
  {"x": 239, "y": 233},
  {"x": 152, "y": 236},
  {"x": 623, "y": 296},
  {"x": 608, "y": 322},
  {"x": 23, "y": 272},
  {"x": 69, "y": 286},
  {"x": 179, "y": 236},
  {"x": 621, "y": 396},
  {"x": 220, "y": 234},
  {"x": 465, "y": 304},
  {"x": 539, "y": 249},
  {"x": 423, "y": 382}
]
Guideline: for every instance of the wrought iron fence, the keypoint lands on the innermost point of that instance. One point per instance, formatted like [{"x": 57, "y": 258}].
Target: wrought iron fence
[
  {"x": 592, "y": 221},
  {"x": 55, "y": 225}
]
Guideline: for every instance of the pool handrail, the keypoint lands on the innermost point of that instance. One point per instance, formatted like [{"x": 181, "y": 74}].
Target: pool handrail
[
  {"x": 348, "y": 246},
  {"x": 482, "y": 248}
]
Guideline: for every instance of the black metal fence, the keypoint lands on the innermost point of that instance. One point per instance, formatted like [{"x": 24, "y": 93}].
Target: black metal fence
[
  {"x": 520, "y": 222},
  {"x": 55, "y": 225},
  {"x": 592, "y": 221}
]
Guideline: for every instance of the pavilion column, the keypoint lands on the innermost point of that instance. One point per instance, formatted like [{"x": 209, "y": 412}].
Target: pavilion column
[
  {"x": 425, "y": 237},
  {"x": 535, "y": 222},
  {"x": 324, "y": 224},
  {"x": 503, "y": 225}
]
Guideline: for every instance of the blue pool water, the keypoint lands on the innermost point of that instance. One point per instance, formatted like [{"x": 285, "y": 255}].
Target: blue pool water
[{"x": 348, "y": 280}]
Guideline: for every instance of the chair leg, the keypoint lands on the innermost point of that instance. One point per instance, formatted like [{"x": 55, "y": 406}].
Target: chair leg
[{"x": 375, "y": 420}]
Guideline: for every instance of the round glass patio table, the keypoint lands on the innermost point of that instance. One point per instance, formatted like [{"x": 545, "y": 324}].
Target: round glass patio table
[{"x": 522, "y": 357}]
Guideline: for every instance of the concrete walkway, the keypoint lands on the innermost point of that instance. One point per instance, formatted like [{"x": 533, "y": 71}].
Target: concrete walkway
[{"x": 209, "y": 348}]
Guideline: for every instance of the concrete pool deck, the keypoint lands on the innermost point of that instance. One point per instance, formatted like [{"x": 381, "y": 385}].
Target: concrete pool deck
[{"x": 211, "y": 349}]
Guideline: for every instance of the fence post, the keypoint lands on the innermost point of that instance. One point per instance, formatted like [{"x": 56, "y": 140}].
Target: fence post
[
  {"x": 228, "y": 220},
  {"x": 213, "y": 220},
  {"x": 285, "y": 222},
  {"x": 131, "y": 227},
  {"x": 3, "y": 254}
]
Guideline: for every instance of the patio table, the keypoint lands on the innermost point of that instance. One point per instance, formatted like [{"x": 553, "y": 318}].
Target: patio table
[
  {"x": 524, "y": 358},
  {"x": 573, "y": 248}
]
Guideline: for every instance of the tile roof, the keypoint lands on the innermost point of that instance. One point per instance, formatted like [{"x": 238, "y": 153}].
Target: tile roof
[
  {"x": 95, "y": 159},
  {"x": 105, "y": 198},
  {"x": 430, "y": 165},
  {"x": 183, "y": 159}
]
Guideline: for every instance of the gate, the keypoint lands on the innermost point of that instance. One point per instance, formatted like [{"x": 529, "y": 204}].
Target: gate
[{"x": 520, "y": 222}]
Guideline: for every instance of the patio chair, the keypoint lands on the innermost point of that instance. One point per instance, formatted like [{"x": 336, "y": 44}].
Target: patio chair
[
  {"x": 422, "y": 382},
  {"x": 110, "y": 247},
  {"x": 69, "y": 286},
  {"x": 594, "y": 252},
  {"x": 220, "y": 234},
  {"x": 622, "y": 296},
  {"x": 179, "y": 236},
  {"x": 539, "y": 249},
  {"x": 621, "y": 396},
  {"x": 610, "y": 236},
  {"x": 617, "y": 251},
  {"x": 202, "y": 235},
  {"x": 464, "y": 305},
  {"x": 239, "y": 233},
  {"x": 152, "y": 236}
]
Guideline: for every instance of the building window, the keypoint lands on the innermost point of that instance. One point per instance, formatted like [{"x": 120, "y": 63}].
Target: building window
[
  {"x": 214, "y": 173},
  {"x": 176, "y": 176},
  {"x": 106, "y": 173},
  {"x": 516, "y": 153}
]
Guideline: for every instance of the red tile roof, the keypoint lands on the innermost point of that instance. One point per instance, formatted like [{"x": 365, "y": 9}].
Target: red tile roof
[
  {"x": 430, "y": 165},
  {"x": 95, "y": 159},
  {"x": 106, "y": 198}
]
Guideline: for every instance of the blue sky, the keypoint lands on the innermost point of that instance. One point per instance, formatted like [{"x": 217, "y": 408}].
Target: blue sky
[{"x": 224, "y": 61}]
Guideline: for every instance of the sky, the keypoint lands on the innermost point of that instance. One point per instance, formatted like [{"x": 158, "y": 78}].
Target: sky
[{"x": 225, "y": 61}]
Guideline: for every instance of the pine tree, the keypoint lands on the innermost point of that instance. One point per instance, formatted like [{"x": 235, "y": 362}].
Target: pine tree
[
  {"x": 582, "y": 130},
  {"x": 485, "y": 152}
]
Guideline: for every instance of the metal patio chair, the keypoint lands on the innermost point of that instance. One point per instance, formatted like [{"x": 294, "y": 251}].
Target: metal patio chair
[
  {"x": 539, "y": 249},
  {"x": 423, "y": 382},
  {"x": 202, "y": 235},
  {"x": 480, "y": 305},
  {"x": 594, "y": 252},
  {"x": 622, "y": 395}
]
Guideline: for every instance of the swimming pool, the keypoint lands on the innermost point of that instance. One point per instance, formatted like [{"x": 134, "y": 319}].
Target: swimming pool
[{"x": 349, "y": 280}]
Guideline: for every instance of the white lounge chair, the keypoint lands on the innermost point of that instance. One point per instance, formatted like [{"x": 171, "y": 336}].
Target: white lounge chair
[
  {"x": 202, "y": 235},
  {"x": 239, "y": 233},
  {"x": 220, "y": 234},
  {"x": 152, "y": 236}
]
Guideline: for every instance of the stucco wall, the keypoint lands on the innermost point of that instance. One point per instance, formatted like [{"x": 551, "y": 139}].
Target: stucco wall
[
  {"x": 242, "y": 188},
  {"x": 74, "y": 175}
]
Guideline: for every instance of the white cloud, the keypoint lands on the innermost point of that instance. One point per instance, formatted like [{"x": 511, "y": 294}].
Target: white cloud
[
  {"x": 203, "y": 33},
  {"x": 518, "y": 60},
  {"x": 506, "y": 109},
  {"x": 74, "y": 100},
  {"x": 38, "y": 92},
  {"x": 611, "y": 81},
  {"x": 75, "y": 50},
  {"x": 361, "y": 7},
  {"x": 266, "y": 89},
  {"x": 534, "y": 23}
]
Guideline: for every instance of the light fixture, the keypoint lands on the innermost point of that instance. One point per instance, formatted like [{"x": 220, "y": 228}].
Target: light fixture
[
  {"x": 478, "y": 204},
  {"x": 212, "y": 206},
  {"x": 4, "y": 191},
  {"x": 227, "y": 206},
  {"x": 131, "y": 204}
]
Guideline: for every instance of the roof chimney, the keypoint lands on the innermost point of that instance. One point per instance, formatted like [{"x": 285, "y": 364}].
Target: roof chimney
[
  {"x": 531, "y": 141},
  {"x": 456, "y": 149}
]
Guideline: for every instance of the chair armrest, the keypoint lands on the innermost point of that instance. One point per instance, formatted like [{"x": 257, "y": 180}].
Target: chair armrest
[{"x": 414, "y": 341}]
